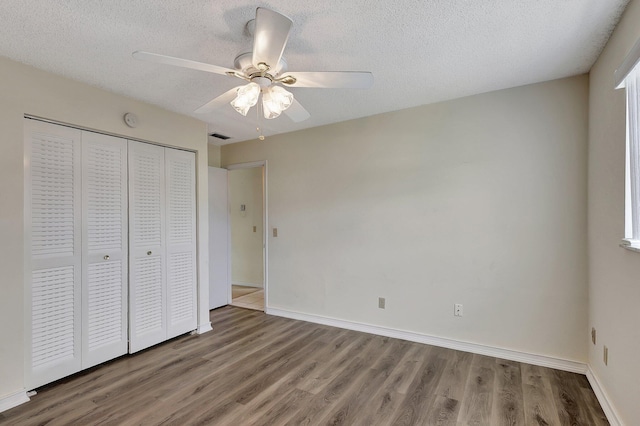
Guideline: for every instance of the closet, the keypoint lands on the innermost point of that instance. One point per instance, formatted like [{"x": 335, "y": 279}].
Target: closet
[{"x": 110, "y": 248}]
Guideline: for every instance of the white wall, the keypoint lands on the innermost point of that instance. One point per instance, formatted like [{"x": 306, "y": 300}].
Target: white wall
[
  {"x": 614, "y": 273},
  {"x": 245, "y": 187},
  {"x": 26, "y": 90},
  {"x": 479, "y": 201}
]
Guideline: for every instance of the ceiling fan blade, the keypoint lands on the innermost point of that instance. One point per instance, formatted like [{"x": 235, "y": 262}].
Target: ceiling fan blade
[
  {"x": 331, "y": 79},
  {"x": 218, "y": 102},
  {"x": 178, "y": 62},
  {"x": 296, "y": 112},
  {"x": 270, "y": 37}
]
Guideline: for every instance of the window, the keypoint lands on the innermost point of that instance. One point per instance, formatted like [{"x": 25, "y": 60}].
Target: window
[{"x": 628, "y": 76}]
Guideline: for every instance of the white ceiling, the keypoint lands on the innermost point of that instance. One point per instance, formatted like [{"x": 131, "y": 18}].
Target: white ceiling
[{"x": 420, "y": 52}]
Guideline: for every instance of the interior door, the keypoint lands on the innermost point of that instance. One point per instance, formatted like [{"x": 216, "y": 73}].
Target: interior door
[
  {"x": 218, "y": 237},
  {"x": 52, "y": 252},
  {"x": 147, "y": 283},
  {"x": 104, "y": 248},
  {"x": 180, "y": 167}
]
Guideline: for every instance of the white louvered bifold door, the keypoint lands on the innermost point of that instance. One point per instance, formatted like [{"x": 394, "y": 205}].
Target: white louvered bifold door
[
  {"x": 52, "y": 252},
  {"x": 104, "y": 244},
  {"x": 147, "y": 286},
  {"x": 181, "y": 242}
]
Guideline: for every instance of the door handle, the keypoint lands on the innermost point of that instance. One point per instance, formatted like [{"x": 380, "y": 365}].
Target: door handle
[
  {"x": 149, "y": 253},
  {"x": 106, "y": 257}
]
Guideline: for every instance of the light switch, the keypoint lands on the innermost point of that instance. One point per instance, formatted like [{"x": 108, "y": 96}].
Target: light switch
[
  {"x": 275, "y": 232},
  {"x": 255, "y": 228}
]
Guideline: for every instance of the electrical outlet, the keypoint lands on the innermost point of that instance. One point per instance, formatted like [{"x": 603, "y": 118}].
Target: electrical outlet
[
  {"x": 605, "y": 356},
  {"x": 457, "y": 310},
  {"x": 593, "y": 335},
  {"x": 381, "y": 302},
  {"x": 255, "y": 228}
]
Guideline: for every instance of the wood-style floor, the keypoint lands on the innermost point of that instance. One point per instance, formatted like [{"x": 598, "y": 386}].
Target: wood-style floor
[{"x": 265, "y": 370}]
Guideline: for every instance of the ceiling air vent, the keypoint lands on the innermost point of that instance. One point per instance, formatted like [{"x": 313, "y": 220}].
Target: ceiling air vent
[{"x": 220, "y": 136}]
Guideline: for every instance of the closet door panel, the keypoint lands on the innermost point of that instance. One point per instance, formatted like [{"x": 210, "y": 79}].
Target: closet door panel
[
  {"x": 181, "y": 242},
  {"x": 104, "y": 275},
  {"x": 147, "y": 286},
  {"x": 52, "y": 252}
]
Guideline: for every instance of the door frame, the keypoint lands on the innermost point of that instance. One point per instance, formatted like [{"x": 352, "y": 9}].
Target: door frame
[{"x": 265, "y": 227}]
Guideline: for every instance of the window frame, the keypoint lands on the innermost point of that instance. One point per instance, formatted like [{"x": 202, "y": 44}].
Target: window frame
[{"x": 627, "y": 76}]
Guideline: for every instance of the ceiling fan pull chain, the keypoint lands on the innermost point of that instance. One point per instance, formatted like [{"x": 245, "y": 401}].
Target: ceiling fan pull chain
[{"x": 258, "y": 128}]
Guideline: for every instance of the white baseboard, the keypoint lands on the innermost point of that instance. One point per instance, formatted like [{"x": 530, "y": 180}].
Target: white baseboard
[
  {"x": 541, "y": 360},
  {"x": 243, "y": 284},
  {"x": 203, "y": 328},
  {"x": 13, "y": 400},
  {"x": 603, "y": 399}
]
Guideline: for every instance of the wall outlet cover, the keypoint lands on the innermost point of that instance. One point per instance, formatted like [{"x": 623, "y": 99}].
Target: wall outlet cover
[{"x": 457, "y": 310}]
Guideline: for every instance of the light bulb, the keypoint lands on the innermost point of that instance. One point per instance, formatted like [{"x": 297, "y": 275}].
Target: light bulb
[
  {"x": 246, "y": 98},
  {"x": 275, "y": 99}
]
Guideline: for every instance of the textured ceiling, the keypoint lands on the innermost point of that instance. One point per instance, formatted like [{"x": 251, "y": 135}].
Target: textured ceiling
[{"x": 420, "y": 52}]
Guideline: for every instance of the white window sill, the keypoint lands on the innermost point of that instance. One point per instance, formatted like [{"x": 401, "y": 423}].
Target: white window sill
[{"x": 629, "y": 244}]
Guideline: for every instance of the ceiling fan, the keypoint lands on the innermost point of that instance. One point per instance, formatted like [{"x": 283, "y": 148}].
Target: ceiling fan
[{"x": 265, "y": 70}]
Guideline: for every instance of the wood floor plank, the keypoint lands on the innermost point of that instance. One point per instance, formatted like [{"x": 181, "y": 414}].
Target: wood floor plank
[
  {"x": 477, "y": 402},
  {"x": 257, "y": 369},
  {"x": 540, "y": 408},
  {"x": 385, "y": 402},
  {"x": 569, "y": 400},
  {"x": 331, "y": 393},
  {"x": 414, "y": 408},
  {"x": 444, "y": 411},
  {"x": 508, "y": 398},
  {"x": 215, "y": 386},
  {"x": 598, "y": 418},
  {"x": 329, "y": 370},
  {"x": 245, "y": 393},
  {"x": 454, "y": 377},
  {"x": 262, "y": 404},
  {"x": 350, "y": 408}
]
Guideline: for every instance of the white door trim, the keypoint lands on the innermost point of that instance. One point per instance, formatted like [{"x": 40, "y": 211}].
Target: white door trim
[{"x": 265, "y": 225}]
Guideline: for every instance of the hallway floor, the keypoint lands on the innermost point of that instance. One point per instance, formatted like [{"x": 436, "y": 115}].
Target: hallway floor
[{"x": 247, "y": 297}]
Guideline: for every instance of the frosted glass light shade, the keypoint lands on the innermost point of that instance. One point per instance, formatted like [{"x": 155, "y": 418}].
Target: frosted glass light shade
[
  {"x": 246, "y": 98},
  {"x": 275, "y": 100}
]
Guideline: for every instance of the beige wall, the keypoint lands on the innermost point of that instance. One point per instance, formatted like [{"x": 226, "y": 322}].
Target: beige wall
[
  {"x": 245, "y": 187},
  {"x": 214, "y": 155},
  {"x": 479, "y": 201},
  {"x": 26, "y": 90},
  {"x": 614, "y": 273}
]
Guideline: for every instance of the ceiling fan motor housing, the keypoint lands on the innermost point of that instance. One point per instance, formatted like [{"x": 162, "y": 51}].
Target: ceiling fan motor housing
[{"x": 244, "y": 64}]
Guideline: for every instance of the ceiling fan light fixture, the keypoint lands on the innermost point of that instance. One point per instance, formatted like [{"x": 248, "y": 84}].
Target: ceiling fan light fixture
[
  {"x": 263, "y": 66},
  {"x": 246, "y": 98},
  {"x": 275, "y": 99}
]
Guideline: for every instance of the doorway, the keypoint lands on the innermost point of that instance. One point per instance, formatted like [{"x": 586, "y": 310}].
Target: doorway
[{"x": 247, "y": 224}]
